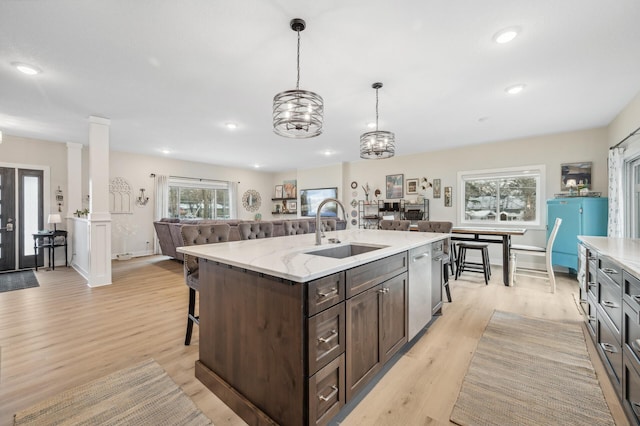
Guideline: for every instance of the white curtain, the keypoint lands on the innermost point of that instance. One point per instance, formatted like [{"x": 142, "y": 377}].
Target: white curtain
[
  {"x": 233, "y": 200},
  {"x": 161, "y": 189},
  {"x": 616, "y": 193}
]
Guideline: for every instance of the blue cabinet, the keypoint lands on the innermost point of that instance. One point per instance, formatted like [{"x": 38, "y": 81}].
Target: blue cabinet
[{"x": 580, "y": 216}]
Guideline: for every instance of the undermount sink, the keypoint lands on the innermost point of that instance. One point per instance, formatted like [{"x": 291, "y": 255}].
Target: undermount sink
[{"x": 340, "y": 252}]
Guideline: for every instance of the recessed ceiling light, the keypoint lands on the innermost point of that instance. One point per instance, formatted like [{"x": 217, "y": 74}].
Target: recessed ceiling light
[
  {"x": 515, "y": 89},
  {"x": 256, "y": 166},
  {"x": 26, "y": 68},
  {"x": 371, "y": 125},
  {"x": 328, "y": 152},
  {"x": 231, "y": 126},
  {"x": 506, "y": 35},
  {"x": 165, "y": 151}
]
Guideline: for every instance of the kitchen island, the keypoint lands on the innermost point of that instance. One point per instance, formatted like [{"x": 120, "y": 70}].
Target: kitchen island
[{"x": 290, "y": 332}]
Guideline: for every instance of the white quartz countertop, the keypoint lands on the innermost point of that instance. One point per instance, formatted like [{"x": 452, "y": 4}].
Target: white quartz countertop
[
  {"x": 288, "y": 258},
  {"x": 625, "y": 251}
]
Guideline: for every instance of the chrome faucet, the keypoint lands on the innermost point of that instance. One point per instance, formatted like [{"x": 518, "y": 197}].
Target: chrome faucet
[{"x": 318, "y": 224}]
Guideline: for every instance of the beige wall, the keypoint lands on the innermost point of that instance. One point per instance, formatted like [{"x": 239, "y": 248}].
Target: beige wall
[
  {"x": 32, "y": 152},
  {"x": 136, "y": 169},
  {"x": 625, "y": 122}
]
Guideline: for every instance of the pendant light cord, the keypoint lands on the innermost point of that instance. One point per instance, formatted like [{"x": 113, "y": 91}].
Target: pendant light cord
[
  {"x": 298, "y": 61},
  {"x": 376, "y": 110}
]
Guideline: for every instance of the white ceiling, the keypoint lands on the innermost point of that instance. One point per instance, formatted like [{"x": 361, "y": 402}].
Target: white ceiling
[{"x": 170, "y": 74}]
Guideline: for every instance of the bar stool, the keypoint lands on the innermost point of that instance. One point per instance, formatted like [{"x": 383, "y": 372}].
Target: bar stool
[{"x": 464, "y": 265}]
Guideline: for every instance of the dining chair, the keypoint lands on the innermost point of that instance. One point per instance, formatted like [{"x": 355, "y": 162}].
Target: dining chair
[
  {"x": 195, "y": 235},
  {"x": 545, "y": 252},
  {"x": 448, "y": 257}
]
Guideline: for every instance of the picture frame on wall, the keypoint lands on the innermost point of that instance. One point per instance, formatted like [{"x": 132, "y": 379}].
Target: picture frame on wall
[
  {"x": 575, "y": 176},
  {"x": 395, "y": 186},
  {"x": 278, "y": 193},
  {"x": 448, "y": 195},
  {"x": 292, "y": 206},
  {"x": 437, "y": 188},
  {"x": 290, "y": 189},
  {"x": 412, "y": 186}
]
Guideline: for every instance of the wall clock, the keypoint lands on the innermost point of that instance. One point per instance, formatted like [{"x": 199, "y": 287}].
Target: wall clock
[{"x": 251, "y": 200}]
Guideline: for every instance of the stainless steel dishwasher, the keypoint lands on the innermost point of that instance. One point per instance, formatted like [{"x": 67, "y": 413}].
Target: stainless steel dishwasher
[{"x": 420, "y": 272}]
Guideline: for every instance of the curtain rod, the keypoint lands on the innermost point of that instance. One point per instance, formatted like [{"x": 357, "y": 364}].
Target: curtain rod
[
  {"x": 623, "y": 140},
  {"x": 192, "y": 178}
]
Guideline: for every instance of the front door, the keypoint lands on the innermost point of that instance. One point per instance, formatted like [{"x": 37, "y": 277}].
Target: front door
[
  {"x": 20, "y": 220},
  {"x": 7, "y": 219}
]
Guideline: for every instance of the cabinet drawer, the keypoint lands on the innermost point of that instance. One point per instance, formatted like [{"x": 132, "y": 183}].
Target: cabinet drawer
[
  {"x": 609, "y": 349},
  {"x": 368, "y": 275},
  {"x": 325, "y": 292},
  {"x": 631, "y": 391},
  {"x": 327, "y": 392},
  {"x": 610, "y": 300},
  {"x": 611, "y": 269},
  {"x": 326, "y": 337},
  {"x": 631, "y": 290},
  {"x": 631, "y": 332}
]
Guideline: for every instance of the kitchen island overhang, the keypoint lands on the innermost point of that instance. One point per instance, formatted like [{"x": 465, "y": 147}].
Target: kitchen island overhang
[{"x": 289, "y": 337}]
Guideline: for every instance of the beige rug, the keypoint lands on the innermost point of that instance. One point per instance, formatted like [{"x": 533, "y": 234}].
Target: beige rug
[
  {"x": 531, "y": 372},
  {"x": 140, "y": 395}
]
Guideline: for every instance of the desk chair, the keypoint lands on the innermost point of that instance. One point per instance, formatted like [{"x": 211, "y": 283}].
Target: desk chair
[
  {"x": 194, "y": 235},
  {"x": 536, "y": 251}
]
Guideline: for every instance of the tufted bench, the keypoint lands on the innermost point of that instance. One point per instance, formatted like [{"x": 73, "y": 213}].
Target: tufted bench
[
  {"x": 255, "y": 230},
  {"x": 395, "y": 225}
]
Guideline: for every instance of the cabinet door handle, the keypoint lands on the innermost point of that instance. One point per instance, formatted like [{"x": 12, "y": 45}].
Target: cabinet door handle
[
  {"x": 332, "y": 336},
  {"x": 608, "y": 304},
  {"x": 591, "y": 318},
  {"x": 636, "y": 298},
  {"x": 333, "y": 393},
  {"x": 420, "y": 256},
  {"x": 608, "y": 347},
  {"x": 383, "y": 291},
  {"x": 609, "y": 271},
  {"x": 332, "y": 292},
  {"x": 592, "y": 284}
]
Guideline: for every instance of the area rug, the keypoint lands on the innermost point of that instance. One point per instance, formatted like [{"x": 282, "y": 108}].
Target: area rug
[
  {"x": 17, "y": 280},
  {"x": 140, "y": 395},
  {"x": 531, "y": 372}
]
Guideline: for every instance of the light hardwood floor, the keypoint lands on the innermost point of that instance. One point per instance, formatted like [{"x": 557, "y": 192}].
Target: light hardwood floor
[{"x": 63, "y": 334}]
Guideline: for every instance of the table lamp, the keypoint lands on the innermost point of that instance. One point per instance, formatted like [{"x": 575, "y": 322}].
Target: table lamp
[{"x": 55, "y": 219}]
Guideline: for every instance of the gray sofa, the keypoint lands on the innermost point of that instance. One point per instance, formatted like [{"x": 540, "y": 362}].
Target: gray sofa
[{"x": 168, "y": 230}]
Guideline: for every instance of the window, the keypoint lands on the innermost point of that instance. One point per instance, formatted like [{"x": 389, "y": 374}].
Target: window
[
  {"x": 510, "y": 196},
  {"x": 633, "y": 189},
  {"x": 199, "y": 199}
]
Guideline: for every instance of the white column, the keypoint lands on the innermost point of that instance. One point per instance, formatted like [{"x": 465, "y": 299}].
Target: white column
[{"x": 99, "y": 216}]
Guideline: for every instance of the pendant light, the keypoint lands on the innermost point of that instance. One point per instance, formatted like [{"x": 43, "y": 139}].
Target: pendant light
[
  {"x": 379, "y": 143},
  {"x": 297, "y": 113}
]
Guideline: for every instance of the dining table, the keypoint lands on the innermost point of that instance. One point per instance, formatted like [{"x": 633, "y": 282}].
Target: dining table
[{"x": 498, "y": 235}]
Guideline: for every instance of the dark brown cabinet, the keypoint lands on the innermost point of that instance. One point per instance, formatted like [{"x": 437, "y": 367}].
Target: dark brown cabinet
[
  {"x": 376, "y": 330},
  {"x": 295, "y": 353},
  {"x": 612, "y": 316}
]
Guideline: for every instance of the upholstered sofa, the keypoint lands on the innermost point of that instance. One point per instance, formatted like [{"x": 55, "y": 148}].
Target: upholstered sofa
[{"x": 168, "y": 230}]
